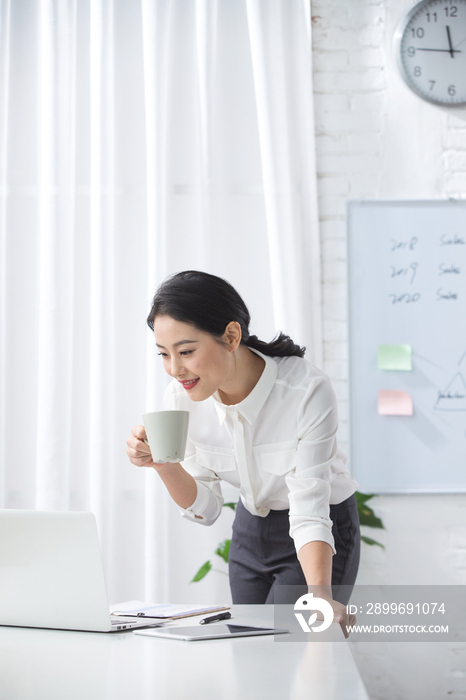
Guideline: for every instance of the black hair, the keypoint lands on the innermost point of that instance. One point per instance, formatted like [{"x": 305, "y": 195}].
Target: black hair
[{"x": 210, "y": 303}]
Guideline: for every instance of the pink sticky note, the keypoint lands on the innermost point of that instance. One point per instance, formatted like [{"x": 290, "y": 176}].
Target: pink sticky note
[{"x": 394, "y": 403}]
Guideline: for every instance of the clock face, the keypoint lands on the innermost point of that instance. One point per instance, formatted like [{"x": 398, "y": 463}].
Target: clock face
[{"x": 430, "y": 45}]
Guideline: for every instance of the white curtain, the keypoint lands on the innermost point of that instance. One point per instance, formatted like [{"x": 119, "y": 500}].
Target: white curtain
[{"x": 140, "y": 139}]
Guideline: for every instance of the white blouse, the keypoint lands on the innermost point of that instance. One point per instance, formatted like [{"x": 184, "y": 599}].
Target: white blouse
[{"x": 278, "y": 447}]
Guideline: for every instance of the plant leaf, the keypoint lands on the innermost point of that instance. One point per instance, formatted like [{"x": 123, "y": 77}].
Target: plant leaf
[
  {"x": 363, "y": 497},
  {"x": 366, "y": 514},
  {"x": 367, "y": 517},
  {"x": 223, "y": 550},
  {"x": 230, "y": 505},
  {"x": 368, "y": 540},
  {"x": 203, "y": 571}
]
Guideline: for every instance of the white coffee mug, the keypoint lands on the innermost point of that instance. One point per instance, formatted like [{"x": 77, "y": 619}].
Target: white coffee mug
[{"x": 167, "y": 433}]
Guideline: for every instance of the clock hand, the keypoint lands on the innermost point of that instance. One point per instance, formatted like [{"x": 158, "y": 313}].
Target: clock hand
[
  {"x": 449, "y": 42},
  {"x": 441, "y": 50}
]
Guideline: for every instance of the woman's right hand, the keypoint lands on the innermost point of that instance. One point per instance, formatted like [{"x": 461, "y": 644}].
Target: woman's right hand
[
  {"x": 180, "y": 484},
  {"x": 138, "y": 451}
]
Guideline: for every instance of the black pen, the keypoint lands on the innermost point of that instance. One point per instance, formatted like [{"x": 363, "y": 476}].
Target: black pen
[{"x": 215, "y": 618}]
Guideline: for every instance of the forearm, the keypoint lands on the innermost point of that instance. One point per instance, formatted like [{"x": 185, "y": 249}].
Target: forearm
[
  {"x": 181, "y": 486},
  {"x": 316, "y": 562}
]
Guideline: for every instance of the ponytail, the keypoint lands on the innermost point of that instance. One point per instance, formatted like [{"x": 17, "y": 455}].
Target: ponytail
[{"x": 280, "y": 346}]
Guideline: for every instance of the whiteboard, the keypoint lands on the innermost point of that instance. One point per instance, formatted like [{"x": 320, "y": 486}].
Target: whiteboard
[{"x": 407, "y": 285}]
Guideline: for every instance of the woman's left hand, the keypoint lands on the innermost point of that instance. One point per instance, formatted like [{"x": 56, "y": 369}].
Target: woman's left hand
[
  {"x": 341, "y": 615},
  {"x": 340, "y": 611}
]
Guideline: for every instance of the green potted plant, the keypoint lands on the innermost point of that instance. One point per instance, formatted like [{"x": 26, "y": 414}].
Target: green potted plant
[{"x": 367, "y": 518}]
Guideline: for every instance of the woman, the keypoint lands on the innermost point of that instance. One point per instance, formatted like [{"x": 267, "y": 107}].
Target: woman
[{"x": 265, "y": 420}]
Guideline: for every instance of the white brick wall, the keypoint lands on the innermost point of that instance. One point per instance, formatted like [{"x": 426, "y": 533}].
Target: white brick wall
[
  {"x": 454, "y": 156},
  {"x": 375, "y": 139}
]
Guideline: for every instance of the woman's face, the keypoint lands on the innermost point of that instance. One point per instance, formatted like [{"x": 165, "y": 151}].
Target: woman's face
[{"x": 200, "y": 363}]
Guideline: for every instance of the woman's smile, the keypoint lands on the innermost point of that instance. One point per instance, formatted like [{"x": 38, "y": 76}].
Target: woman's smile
[{"x": 189, "y": 383}]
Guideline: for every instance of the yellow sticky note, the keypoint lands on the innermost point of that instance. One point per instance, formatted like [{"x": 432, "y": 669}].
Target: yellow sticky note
[
  {"x": 395, "y": 357},
  {"x": 394, "y": 403}
]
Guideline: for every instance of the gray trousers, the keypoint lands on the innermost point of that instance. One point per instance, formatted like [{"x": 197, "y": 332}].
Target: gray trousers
[{"x": 263, "y": 555}]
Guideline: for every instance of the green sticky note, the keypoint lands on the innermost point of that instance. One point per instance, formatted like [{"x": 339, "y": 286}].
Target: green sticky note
[{"x": 395, "y": 357}]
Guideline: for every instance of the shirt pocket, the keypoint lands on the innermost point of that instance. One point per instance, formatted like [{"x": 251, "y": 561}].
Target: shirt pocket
[
  {"x": 278, "y": 458},
  {"x": 215, "y": 459}
]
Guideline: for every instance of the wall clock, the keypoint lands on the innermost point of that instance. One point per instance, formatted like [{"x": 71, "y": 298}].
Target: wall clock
[{"x": 430, "y": 46}]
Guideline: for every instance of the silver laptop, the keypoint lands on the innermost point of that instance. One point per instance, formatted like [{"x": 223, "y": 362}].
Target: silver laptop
[{"x": 51, "y": 573}]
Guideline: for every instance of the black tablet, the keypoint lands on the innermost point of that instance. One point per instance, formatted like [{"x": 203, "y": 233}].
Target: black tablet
[{"x": 213, "y": 631}]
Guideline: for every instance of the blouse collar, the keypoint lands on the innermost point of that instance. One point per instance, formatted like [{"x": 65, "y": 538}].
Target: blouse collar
[{"x": 250, "y": 407}]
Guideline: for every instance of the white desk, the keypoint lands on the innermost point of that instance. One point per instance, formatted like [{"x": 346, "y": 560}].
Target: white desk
[{"x": 54, "y": 665}]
